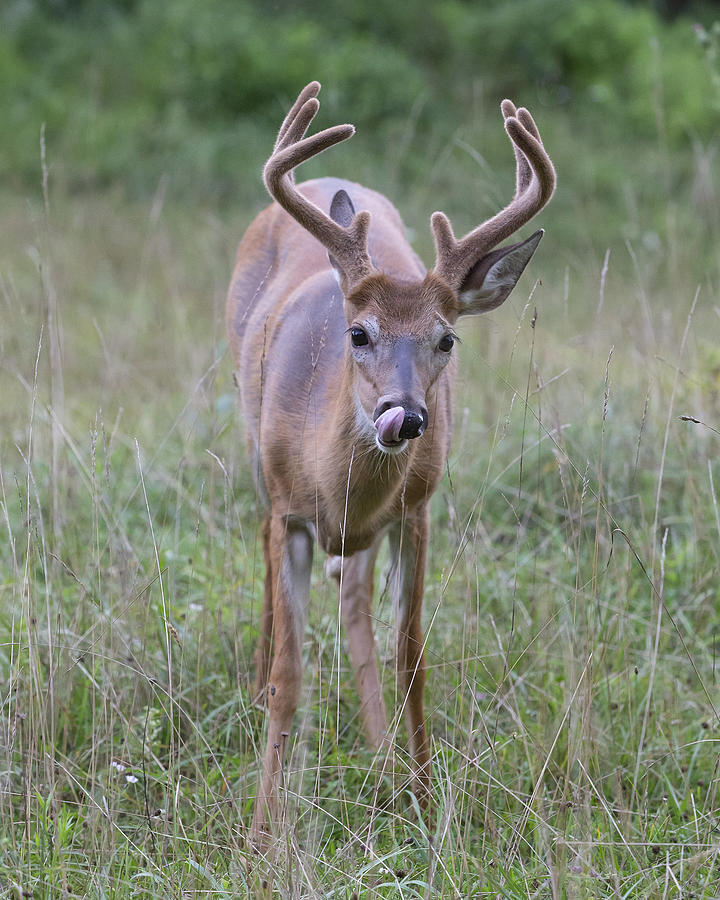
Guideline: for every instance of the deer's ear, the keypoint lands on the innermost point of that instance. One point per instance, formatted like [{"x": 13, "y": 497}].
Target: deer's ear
[
  {"x": 342, "y": 211},
  {"x": 492, "y": 278}
]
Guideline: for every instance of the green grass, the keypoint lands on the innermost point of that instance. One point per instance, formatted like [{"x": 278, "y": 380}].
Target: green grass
[{"x": 572, "y": 601}]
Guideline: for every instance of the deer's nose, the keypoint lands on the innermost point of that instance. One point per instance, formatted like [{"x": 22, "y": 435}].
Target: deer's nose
[
  {"x": 415, "y": 420},
  {"x": 413, "y": 424}
]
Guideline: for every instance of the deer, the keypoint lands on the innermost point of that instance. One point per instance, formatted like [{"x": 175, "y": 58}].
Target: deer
[{"x": 343, "y": 346}]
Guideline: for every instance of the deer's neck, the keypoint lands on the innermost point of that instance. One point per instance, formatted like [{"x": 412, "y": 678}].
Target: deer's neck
[{"x": 361, "y": 487}]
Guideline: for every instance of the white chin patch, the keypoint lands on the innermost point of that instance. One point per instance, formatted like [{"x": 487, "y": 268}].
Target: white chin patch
[{"x": 392, "y": 449}]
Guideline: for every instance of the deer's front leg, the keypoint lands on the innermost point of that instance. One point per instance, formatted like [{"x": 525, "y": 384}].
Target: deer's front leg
[
  {"x": 290, "y": 547},
  {"x": 408, "y": 545},
  {"x": 262, "y": 654}
]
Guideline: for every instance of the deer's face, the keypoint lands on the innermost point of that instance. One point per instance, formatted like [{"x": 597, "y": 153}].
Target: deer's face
[{"x": 400, "y": 338}]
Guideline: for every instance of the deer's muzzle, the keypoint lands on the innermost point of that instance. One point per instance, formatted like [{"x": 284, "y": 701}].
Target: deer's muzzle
[{"x": 397, "y": 424}]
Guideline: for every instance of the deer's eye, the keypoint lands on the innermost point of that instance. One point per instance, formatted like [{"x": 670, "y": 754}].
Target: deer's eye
[
  {"x": 446, "y": 343},
  {"x": 358, "y": 337}
]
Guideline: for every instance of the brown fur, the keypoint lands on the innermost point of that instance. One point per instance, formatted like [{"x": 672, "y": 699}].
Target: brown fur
[{"x": 310, "y": 398}]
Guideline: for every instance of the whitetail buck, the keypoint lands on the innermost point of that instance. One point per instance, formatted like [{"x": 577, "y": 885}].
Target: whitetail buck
[{"x": 343, "y": 346}]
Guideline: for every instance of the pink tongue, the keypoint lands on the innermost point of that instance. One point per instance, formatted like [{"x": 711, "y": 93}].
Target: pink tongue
[{"x": 389, "y": 424}]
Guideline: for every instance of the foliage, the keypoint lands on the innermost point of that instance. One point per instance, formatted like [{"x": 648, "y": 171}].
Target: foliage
[
  {"x": 572, "y": 589},
  {"x": 571, "y": 605},
  {"x": 131, "y": 90}
]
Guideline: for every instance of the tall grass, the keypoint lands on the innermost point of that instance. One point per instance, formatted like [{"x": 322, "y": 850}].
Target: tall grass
[{"x": 571, "y": 607}]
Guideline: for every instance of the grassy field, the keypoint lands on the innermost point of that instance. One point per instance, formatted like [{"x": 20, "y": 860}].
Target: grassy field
[{"x": 572, "y": 602}]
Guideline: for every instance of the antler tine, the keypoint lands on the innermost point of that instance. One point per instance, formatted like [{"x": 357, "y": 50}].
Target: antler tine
[
  {"x": 535, "y": 183},
  {"x": 348, "y": 246},
  {"x": 523, "y": 172},
  {"x": 308, "y": 92}
]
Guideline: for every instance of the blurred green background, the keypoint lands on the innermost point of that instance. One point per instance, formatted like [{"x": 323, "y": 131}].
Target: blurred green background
[
  {"x": 574, "y": 695},
  {"x": 135, "y": 91}
]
